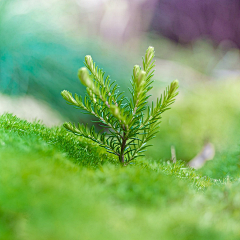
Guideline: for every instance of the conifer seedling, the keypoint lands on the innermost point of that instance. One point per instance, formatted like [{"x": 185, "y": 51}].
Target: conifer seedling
[{"x": 131, "y": 123}]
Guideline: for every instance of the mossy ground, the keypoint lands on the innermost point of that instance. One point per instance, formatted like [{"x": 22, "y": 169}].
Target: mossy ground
[{"x": 54, "y": 185}]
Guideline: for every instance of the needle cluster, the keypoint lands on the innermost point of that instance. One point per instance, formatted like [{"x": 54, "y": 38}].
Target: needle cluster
[{"x": 131, "y": 122}]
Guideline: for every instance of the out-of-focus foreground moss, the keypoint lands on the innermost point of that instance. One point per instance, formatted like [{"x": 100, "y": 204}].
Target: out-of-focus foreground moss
[{"x": 54, "y": 185}]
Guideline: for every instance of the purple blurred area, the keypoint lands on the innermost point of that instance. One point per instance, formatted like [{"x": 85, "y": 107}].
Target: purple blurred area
[
  {"x": 187, "y": 20},
  {"x": 182, "y": 21},
  {"x": 125, "y": 22}
]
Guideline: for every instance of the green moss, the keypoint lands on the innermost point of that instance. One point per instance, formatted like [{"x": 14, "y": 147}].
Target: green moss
[
  {"x": 36, "y": 136},
  {"x": 225, "y": 164},
  {"x": 54, "y": 185}
]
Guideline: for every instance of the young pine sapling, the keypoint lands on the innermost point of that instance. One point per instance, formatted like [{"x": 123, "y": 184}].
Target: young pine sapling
[{"x": 129, "y": 129}]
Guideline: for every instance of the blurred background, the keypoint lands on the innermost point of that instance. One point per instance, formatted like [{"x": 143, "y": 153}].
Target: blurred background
[{"x": 43, "y": 44}]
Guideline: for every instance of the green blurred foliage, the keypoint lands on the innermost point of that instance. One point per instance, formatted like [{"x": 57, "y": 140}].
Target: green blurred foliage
[
  {"x": 37, "y": 59},
  {"x": 208, "y": 112},
  {"x": 200, "y": 56}
]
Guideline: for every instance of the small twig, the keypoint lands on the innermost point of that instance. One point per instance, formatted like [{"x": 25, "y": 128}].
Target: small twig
[{"x": 173, "y": 154}]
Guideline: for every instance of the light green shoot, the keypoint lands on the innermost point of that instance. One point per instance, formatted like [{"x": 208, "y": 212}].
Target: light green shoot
[{"x": 131, "y": 123}]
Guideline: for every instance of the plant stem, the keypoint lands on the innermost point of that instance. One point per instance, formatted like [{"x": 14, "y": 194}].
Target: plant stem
[{"x": 123, "y": 145}]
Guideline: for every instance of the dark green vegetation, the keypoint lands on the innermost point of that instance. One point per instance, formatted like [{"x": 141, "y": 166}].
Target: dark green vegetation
[{"x": 54, "y": 185}]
